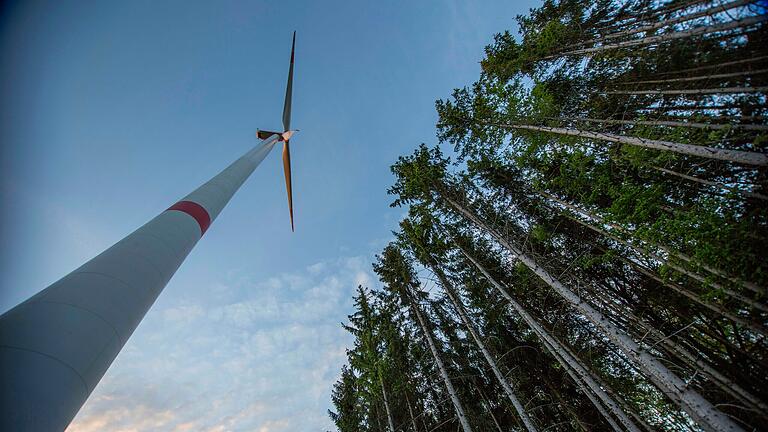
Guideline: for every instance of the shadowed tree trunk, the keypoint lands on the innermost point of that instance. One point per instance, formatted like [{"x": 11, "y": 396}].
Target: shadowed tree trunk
[
  {"x": 697, "y": 31},
  {"x": 672, "y": 253},
  {"x": 698, "y": 78},
  {"x": 717, "y": 65},
  {"x": 713, "y": 126},
  {"x": 456, "y": 301},
  {"x": 738, "y": 156},
  {"x": 664, "y": 23},
  {"x": 578, "y": 372},
  {"x": 460, "y": 413},
  {"x": 701, "y": 410},
  {"x": 747, "y": 194},
  {"x": 718, "y": 90},
  {"x": 386, "y": 405}
]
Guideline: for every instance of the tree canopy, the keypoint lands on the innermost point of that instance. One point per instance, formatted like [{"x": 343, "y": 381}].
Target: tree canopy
[{"x": 585, "y": 248}]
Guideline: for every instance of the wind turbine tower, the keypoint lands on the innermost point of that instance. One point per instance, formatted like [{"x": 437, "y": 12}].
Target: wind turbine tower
[{"x": 56, "y": 346}]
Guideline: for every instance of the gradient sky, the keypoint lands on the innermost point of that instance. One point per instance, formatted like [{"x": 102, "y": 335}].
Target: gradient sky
[{"x": 112, "y": 111}]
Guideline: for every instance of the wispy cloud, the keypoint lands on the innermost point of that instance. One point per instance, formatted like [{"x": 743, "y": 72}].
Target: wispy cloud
[{"x": 265, "y": 361}]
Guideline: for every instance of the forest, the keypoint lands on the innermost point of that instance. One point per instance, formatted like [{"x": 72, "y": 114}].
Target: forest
[{"x": 585, "y": 245}]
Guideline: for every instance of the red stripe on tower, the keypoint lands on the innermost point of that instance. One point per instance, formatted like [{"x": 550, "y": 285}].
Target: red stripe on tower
[{"x": 196, "y": 211}]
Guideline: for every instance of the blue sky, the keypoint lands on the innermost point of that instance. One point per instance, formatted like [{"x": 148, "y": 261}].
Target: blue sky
[{"x": 111, "y": 111}]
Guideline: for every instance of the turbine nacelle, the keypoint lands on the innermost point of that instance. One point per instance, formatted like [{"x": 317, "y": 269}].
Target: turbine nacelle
[{"x": 284, "y": 136}]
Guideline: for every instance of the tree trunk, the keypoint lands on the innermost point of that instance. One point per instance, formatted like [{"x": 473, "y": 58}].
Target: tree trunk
[
  {"x": 718, "y": 65},
  {"x": 693, "y": 296},
  {"x": 456, "y": 301},
  {"x": 697, "y": 31},
  {"x": 719, "y": 90},
  {"x": 747, "y": 194},
  {"x": 580, "y": 373},
  {"x": 386, "y": 404},
  {"x": 488, "y": 406},
  {"x": 724, "y": 383},
  {"x": 696, "y": 125},
  {"x": 673, "y": 253},
  {"x": 679, "y": 19},
  {"x": 642, "y": 252},
  {"x": 378, "y": 420},
  {"x": 410, "y": 412},
  {"x": 701, "y": 410},
  {"x": 697, "y": 78},
  {"x": 757, "y": 329},
  {"x": 441, "y": 367},
  {"x": 696, "y": 108},
  {"x": 636, "y": 18},
  {"x": 738, "y": 156},
  {"x": 589, "y": 394},
  {"x": 565, "y": 406},
  {"x": 741, "y": 118}
]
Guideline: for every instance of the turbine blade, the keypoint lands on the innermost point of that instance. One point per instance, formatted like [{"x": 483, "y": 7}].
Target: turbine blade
[
  {"x": 289, "y": 91},
  {"x": 287, "y": 171}
]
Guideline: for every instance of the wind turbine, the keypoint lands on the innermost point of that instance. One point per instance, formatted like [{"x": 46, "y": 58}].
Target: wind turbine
[
  {"x": 285, "y": 137},
  {"x": 56, "y": 346}
]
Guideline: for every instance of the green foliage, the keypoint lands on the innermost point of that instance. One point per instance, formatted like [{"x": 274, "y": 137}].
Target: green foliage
[
  {"x": 664, "y": 245},
  {"x": 417, "y": 175},
  {"x": 345, "y": 398}
]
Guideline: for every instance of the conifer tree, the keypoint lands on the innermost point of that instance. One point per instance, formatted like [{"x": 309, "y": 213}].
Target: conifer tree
[{"x": 591, "y": 254}]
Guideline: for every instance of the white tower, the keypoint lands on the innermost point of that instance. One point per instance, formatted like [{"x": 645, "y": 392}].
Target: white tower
[{"x": 56, "y": 346}]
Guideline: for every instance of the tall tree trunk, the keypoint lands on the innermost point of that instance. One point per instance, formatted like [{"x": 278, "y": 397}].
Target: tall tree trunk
[
  {"x": 456, "y": 301},
  {"x": 747, "y": 194},
  {"x": 670, "y": 21},
  {"x": 441, "y": 367},
  {"x": 696, "y": 108},
  {"x": 565, "y": 406},
  {"x": 738, "y": 156},
  {"x": 580, "y": 383},
  {"x": 410, "y": 412},
  {"x": 386, "y": 404},
  {"x": 572, "y": 365},
  {"x": 488, "y": 406},
  {"x": 378, "y": 420},
  {"x": 645, "y": 253},
  {"x": 701, "y": 410},
  {"x": 697, "y": 78},
  {"x": 741, "y": 118},
  {"x": 633, "y": 19},
  {"x": 672, "y": 253},
  {"x": 718, "y": 90},
  {"x": 717, "y": 65},
  {"x": 756, "y": 328},
  {"x": 697, "y": 31},
  {"x": 689, "y": 294},
  {"x": 696, "y": 125},
  {"x": 724, "y": 383}
]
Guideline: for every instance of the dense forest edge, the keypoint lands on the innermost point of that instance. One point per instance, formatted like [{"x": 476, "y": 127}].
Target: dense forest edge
[{"x": 585, "y": 248}]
